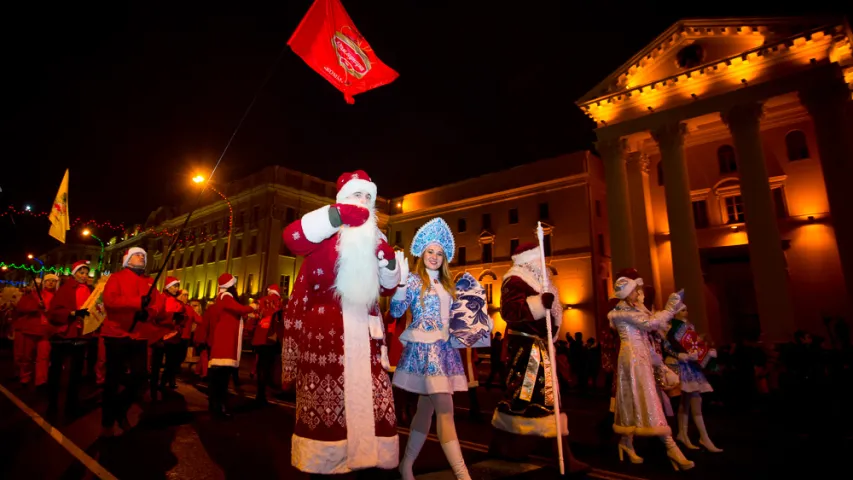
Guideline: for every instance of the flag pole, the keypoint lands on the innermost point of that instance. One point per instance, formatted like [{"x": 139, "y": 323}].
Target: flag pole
[{"x": 550, "y": 342}]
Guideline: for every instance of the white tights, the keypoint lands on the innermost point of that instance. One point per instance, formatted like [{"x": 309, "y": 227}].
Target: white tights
[{"x": 442, "y": 405}]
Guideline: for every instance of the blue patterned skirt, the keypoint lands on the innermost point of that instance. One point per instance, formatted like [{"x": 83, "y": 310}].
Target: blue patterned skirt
[
  {"x": 427, "y": 368},
  {"x": 692, "y": 378}
]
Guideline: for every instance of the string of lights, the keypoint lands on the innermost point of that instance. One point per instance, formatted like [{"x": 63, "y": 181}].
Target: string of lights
[{"x": 30, "y": 268}]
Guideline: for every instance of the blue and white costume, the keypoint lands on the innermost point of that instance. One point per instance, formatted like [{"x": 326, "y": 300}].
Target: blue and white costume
[{"x": 428, "y": 364}]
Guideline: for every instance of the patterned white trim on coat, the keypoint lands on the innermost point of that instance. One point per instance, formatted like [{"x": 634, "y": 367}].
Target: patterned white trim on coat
[
  {"x": 316, "y": 456},
  {"x": 316, "y": 225},
  {"x": 538, "y": 427}
]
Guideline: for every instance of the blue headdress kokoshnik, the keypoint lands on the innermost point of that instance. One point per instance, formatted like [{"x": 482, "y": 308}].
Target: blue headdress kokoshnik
[{"x": 435, "y": 231}]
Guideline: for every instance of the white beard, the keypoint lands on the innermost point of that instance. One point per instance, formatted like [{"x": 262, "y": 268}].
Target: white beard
[{"x": 356, "y": 269}]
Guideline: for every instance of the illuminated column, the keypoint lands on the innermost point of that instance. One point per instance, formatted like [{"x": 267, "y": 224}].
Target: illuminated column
[
  {"x": 769, "y": 268},
  {"x": 833, "y": 127},
  {"x": 640, "y": 203},
  {"x": 686, "y": 265},
  {"x": 612, "y": 152}
]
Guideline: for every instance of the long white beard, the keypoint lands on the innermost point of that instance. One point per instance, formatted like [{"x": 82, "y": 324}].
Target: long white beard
[{"x": 356, "y": 279}]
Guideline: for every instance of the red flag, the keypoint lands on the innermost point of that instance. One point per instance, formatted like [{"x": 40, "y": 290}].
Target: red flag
[{"x": 330, "y": 44}]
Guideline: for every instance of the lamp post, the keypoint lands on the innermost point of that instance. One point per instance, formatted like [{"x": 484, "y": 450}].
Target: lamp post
[
  {"x": 199, "y": 179},
  {"x": 30, "y": 256},
  {"x": 87, "y": 233}
]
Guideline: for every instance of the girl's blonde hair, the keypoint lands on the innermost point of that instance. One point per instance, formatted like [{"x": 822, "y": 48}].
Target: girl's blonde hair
[{"x": 443, "y": 278}]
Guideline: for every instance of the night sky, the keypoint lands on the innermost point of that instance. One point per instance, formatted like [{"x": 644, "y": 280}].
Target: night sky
[{"x": 134, "y": 98}]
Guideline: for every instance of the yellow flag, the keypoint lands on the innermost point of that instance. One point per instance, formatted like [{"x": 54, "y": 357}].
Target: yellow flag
[{"x": 59, "y": 220}]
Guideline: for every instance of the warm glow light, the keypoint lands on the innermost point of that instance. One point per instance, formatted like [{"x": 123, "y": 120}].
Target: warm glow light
[
  {"x": 5, "y": 268},
  {"x": 86, "y": 232},
  {"x": 198, "y": 179},
  {"x": 30, "y": 256},
  {"x": 399, "y": 204},
  {"x": 27, "y": 208}
]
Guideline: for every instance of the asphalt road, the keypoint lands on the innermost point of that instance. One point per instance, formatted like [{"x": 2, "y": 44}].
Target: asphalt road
[{"x": 177, "y": 439}]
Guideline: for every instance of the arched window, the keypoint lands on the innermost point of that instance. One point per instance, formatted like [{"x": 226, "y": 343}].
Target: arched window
[
  {"x": 487, "y": 275},
  {"x": 660, "y": 173},
  {"x": 726, "y": 159},
  {"x": 798, "y": 148}
]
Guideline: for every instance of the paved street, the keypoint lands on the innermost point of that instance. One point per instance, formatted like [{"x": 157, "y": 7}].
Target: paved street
[{"x": 176, "y": 438}]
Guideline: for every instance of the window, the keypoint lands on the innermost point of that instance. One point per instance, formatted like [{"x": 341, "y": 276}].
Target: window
[
  {"x": 700, "y": 214},
  {"x": 214, "y": 227},
  {"x": 513, "y": 245},
  {"x": 180, "y": 257},
  {"x": 241, "y": 219},
  {"x": 209, "y": 292},
  {"x": 660, "y": 173},
  {"x": 487, "y": 221},
  {"x": 488, "y": 288},
  {"x": 238, "y": 248},
  {"x": 726, "y": 159},
  {"x": 601, "y": 246},
  {"x": 398, "y": 238},
  {"x": 248, "y": 286},
  {"x": 544, "y": 212},
  {"x": 598, "y": 208},
  {"x": 253, "y": 244},
  {"x": 779, "y": 203},
  {"x": 460, "y": 256},
  {"x": 734, "y": 209},
  {"x": 223, "y": 252},
  {"x": 487, "y": 253},
  {"x": 256, "y": 214},
  {"x": 798, "y": 148},
  {"x": 197, "y": 289},
  {"x": 461, "y": 225},
  {"x": 289, "y": 215},
  {"x": 211, "y": 254},
  {"x": 199, "y": 258},
  {"x": 284, "y": 284},
  {"x": 546, "y": 244},
  {"x": 513, "y": 216}
]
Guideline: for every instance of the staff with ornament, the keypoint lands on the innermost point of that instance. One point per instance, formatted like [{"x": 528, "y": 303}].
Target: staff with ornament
[{"x": 334, "y": 335}]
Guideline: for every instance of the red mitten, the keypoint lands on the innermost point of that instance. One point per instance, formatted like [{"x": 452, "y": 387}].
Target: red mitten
[
  {"x": 352, "y": 215},
  {"x": 386, "y": 251},
  {"x": 547, "y": 300}
]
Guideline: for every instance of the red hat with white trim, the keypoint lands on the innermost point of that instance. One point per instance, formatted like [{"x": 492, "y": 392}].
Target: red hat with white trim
[
  {"x": 526, "y": 253},
  {"x": 353, "y": 182},
  {"x": 78, "y": 265},
  {"x": 131, "y": 252},
  {"x": 274, "y": 290},
  {"x": 171, "y": 281},
  {"x": 226, "y": 280}
]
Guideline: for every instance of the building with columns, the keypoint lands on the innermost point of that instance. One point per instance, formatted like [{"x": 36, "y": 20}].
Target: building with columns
[{"x": 727, "y": 156}]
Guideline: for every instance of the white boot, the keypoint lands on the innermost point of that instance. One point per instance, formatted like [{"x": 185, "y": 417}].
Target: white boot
[
  {"x": 453, "y": 452},
  {"x": 413, "y": 448},
  {"x": 682, "y": 428},
  {"x": 704, "y": 439},
  {"x": 675, "y": 455},
  {"x": 626, "y": 447}
]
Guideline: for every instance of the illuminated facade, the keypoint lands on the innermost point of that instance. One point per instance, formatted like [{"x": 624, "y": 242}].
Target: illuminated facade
[
  {"x": 492, "y": 214},
  {"x": 727, "y": 154}
]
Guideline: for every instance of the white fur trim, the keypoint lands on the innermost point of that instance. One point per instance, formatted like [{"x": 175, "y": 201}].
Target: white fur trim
[
  {"x": 223, "y": 362},
  {"x": 228, "y": 284},
  {"x": 174, "y": 282},
  {"x": 536, "y": 307},
  {"x": 529, "y": 256},
  {"x": 273, "y": 292},
  {"x": 131, "y": 252},
  {"x": 315, "y": 456},
  {"x": 539, "y": 427},
  {"x": 357, "y": 185},
  {"x": 316, "y": 225},
  {"x": 389, "y": 278},
  {"x": 362, "y": 446}
]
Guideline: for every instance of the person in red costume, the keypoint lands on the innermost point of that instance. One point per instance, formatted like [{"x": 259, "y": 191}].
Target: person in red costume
[
  {"x": 334, "y": 335},
  {"x": 66, "y": 315},
  {"x": 223, "y": 336},
  {"x": 32, "y": 331},
  {"x": 192, "y": 310},
  {"x": 265, "y": 338},
  {"x": 165, "y": 339},
  {"x": 131, "y": 313}
]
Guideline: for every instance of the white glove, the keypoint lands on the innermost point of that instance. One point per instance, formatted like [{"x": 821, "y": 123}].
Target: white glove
[
  {"x": 683, "y": 357},
  {"x": 382, "y": 262},
  {"x": 674, "y": 303},
  {"x": 712, "y": 353},
  {"x": 403, "y": 262}
]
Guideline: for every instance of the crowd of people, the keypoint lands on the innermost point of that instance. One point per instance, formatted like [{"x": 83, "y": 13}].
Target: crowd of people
[{"x": 341, "y": 355}]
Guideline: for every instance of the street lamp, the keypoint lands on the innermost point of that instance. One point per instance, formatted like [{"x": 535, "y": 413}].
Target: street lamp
[
  {"x": 88, "y": 233},
  {"x": 199, "y": 179},
  {"x": 40, "y": 272}
]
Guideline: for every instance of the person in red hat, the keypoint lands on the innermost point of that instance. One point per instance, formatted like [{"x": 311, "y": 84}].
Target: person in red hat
[
  {"x": 266, "y": 336},
  {"x": 130, "y": 312},
  {"x": 66, "y": 315},
  {"x": 334, "y": 336},
  {"x": 524, "y": 420},
  {"x": 224, "y": 338},
  {"x": 165, "y": 338},
  {"x": 33, "y": 330},
  {"x": 192, "y": 311}
]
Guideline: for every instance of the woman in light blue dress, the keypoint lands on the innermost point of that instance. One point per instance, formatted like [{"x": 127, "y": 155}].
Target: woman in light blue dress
[{"x": 429, "y": 365}]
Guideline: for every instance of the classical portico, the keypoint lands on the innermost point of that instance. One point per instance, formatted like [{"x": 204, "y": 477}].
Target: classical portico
[{"x": 706, "y": 81}]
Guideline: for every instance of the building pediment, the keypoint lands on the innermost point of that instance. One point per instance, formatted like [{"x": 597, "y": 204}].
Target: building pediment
[{"x": 705, "y": 56}]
